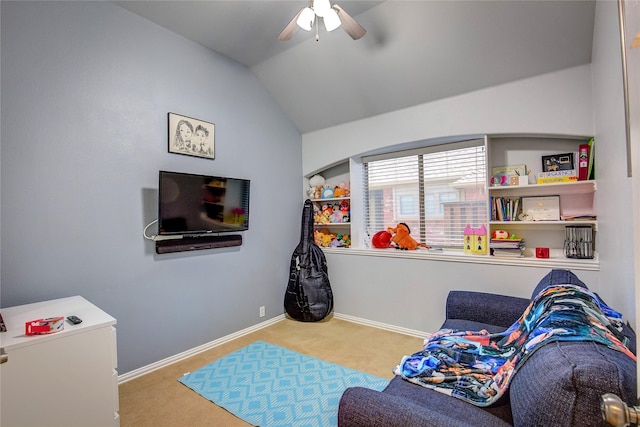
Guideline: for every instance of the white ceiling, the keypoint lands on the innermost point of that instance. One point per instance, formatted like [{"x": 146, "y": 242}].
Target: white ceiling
[{"x": 414, "y": 51}]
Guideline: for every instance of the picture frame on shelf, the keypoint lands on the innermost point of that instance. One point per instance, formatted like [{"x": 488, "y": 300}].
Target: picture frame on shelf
[
  {"x": 191, "y": 137},
  {"x": 557, "y": 162},
  {"x": 541, "y": 208},
  {"x": 502, "y": 176}
]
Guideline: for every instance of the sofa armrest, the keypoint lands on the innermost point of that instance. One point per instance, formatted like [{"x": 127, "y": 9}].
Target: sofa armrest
[
  {"x": 363, "y": 407},
  {"x": 481, "y": 307}
]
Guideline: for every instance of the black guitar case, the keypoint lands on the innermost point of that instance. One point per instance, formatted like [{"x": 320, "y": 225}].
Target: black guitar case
[{"x": 308, "y": 297}]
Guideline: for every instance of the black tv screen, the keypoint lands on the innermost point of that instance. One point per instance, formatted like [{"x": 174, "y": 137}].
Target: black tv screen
[{"x": 196, "y": 204}]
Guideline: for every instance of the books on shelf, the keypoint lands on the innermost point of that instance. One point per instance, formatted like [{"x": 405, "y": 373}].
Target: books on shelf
[
  {"x": 557, "y": 179},
  {"x": 583, "y": 162},
  {"x": 568, "y": 175},
  {"x": 504, "y": 208},
  {"x": 569, "y": 167},
  {"x": 591, "y": 170},
  {"x": 507, "y": 248}
]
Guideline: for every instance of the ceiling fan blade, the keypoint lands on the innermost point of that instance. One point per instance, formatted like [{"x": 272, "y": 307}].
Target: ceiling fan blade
[
  {"x": 291, "y": 28},
  {"x": 349, "y": 24}
]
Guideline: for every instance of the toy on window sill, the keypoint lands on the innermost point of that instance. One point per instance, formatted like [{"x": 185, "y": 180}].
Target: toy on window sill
[
  {"x": 400, "y": 235},
  {"x": 381, "y": 240}
]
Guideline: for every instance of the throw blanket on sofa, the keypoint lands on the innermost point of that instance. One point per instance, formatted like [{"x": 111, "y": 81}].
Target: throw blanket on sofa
[{"x": 478, "y": 366}]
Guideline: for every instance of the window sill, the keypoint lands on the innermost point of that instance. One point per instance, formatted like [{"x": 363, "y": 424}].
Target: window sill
[{"x": 557, "y": 260}]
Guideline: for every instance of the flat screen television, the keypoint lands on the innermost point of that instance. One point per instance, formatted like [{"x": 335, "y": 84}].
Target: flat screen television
[{"x": 198, "y": 204}]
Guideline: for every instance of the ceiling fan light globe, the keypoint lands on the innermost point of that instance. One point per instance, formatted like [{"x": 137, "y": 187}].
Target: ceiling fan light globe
[
  {"x": 331, "y": 20},
  {"x": 321, "y": 7},
  {"x": 306, "y": 19}
]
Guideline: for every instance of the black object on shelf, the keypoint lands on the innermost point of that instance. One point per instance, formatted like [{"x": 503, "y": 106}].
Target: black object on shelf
[
  {"x": 197, "y": 243},
  {"x": 578, "y": 242}
]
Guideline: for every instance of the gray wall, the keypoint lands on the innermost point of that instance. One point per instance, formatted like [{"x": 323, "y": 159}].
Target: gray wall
[
  {"x": 380, "y": 289},
  {"x": 613, "y": 199},
  {"x": 585, "y": 100},
  {"x": 86, "y": 88}
]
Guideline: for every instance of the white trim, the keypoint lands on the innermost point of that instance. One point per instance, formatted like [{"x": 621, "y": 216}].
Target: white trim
[
  {"x": 453, "y": 255},
  {"x": 379, "y": 325},
  {"x": 196, "y": 350},
  {"x": 192, "y": 352}
]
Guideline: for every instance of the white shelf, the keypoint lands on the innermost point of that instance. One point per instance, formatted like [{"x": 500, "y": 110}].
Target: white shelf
[
  {"x": 556, "y": 259},
  {"x": 560, "y": 188},
  {"x": 330, "y": 224},
  {"x": 332, "y": 199},
  {"x": 542, "y": 224}
]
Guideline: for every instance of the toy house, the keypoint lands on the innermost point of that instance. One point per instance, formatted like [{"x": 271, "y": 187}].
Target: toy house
[{"x": 475, "y": 240}]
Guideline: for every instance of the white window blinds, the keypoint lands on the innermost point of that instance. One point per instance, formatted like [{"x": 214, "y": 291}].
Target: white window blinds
[{"x": 436, "y": 191}]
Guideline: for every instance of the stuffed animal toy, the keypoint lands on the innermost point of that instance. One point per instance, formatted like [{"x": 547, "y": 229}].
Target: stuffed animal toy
[
  {"x": 341, "y": 190},
  {"x": 316, "y": 184},
  {"x": 381, "y": 240},
  {"x": 344, "y": 240},
  {"x": 323, "y": 238},
  {"x": 344, "y": 209},
  {"x": 400, "y": 236},
  {"x": 327, "y": 193},
  {"x": 325, "y": 216}
]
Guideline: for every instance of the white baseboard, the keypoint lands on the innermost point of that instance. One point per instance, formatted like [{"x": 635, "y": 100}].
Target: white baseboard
[
  {"x": 204, "y": 347},
  {"x": 192, "y": 352},
  {"x": 385, "y": 326}
]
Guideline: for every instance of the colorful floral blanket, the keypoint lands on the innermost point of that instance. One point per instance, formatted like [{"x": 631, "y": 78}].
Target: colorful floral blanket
[{"x": 478, "y": 366}]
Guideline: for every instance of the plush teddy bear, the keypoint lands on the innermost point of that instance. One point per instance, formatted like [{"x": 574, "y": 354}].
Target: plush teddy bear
[{"x": 316, "y": 184}]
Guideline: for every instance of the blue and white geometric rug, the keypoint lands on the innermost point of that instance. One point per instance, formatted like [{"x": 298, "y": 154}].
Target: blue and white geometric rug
[{"x": 268, "y": 386}]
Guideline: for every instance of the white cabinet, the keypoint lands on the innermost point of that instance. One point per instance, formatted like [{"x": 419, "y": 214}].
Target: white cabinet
[{"x": 67, "y": 378}]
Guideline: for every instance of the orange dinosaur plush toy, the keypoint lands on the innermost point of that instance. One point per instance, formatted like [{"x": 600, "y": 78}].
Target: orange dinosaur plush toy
[{"x": 402, "y": 239}]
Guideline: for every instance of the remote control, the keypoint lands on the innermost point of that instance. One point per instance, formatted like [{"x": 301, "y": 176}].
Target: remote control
[{"x": 74, "y": 319}]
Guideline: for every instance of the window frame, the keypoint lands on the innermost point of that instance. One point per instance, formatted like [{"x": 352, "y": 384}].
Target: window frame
[{"x": 421, "y": 233}]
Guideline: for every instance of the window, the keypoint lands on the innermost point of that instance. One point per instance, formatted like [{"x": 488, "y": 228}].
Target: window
[{"x": 436, "y": 191}]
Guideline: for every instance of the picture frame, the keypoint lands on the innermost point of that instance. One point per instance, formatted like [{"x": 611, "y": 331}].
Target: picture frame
[
  {"x": 191, "y": 137},
  {"x": 557, "y": 162},
  {"x": 503, "y": 175},
  {"x": 540, "y": 208}
]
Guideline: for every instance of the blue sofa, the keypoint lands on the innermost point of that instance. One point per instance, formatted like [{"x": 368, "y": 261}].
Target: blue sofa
[{"x": 559, "y": 385}]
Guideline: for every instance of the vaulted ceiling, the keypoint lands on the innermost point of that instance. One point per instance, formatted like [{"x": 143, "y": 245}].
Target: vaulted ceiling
[{"x": 414, "y": 51}]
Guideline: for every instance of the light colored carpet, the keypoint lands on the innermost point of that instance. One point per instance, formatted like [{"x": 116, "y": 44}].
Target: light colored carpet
[{"x": 158, "y": 399}]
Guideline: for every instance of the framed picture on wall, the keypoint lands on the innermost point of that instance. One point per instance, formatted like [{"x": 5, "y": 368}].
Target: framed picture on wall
[{"x": 191, "y": 136}]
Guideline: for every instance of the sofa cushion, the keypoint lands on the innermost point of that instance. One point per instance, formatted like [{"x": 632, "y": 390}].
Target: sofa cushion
[
  {"x": 557, "y": 277},
  {"x": 561, "y": 384},
  {"x": 560, "y": 277},
  {"x": 482, "y": 307},
  {"x": 403, "y": 404},
  {"x": 469, "y": 325},
  {"x": 444, "y": 403}
]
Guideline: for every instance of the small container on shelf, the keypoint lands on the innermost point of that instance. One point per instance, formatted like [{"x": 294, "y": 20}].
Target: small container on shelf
[{"x": 578, "y": 242}]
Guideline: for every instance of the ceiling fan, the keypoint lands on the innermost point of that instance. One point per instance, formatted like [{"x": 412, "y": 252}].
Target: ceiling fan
[{"x": 332, "y": 16}]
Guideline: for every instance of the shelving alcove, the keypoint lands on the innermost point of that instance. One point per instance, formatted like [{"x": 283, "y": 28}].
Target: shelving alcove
[
  {"x": 574, "y": 196},
  {"x": 501, "y": 150},
  {"x": 337, "y": 175}
]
